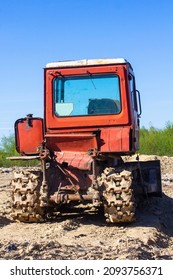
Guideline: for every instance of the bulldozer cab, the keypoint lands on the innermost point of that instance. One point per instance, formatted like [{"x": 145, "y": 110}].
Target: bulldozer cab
[
  {"x": 92, "y": 96},
  {"x": 88, "y": 105}
]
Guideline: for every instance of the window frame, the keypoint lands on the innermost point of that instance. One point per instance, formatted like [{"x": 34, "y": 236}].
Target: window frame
[
  {"x": 133, "y": 92},
  {"x": 60, "y": 77}
]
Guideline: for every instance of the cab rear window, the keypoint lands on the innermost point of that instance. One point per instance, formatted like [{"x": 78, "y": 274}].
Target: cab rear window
[{"x": 86, "y": 95}]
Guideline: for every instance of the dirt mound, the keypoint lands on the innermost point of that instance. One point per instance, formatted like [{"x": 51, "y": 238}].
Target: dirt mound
[{"x": 88, "y": 236}]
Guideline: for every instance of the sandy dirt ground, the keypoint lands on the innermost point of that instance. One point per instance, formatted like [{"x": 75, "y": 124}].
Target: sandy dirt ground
[{"x": 87, "y": 236}]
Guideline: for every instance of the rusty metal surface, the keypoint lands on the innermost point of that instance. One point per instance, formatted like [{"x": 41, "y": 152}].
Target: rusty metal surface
[
  {"x": 24, "y": 158},
  {"x": 81, "y": 161},
  {"x": 65, "y": 198}
]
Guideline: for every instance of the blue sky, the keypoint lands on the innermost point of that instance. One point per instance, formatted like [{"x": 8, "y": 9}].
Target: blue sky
[{"x": 35, "y": 32}]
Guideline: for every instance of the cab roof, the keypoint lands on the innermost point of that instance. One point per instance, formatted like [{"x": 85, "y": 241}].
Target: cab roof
[{"x": 86, "y": 62}]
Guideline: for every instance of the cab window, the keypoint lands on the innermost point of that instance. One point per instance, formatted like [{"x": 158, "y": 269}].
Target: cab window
[{"x": 86, "y": 95}]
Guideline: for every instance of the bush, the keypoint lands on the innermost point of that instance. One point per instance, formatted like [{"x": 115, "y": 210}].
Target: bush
[
  {"x": 157, "y": 141},
  {"x": 8, "y": 149}
]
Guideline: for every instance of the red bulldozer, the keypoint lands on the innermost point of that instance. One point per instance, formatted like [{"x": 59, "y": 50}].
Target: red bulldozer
[{"x": 91, "y": 121}]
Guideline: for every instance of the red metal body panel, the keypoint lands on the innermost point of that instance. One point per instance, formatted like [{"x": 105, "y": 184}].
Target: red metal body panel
[
  {"x": 115, "y": 139},
  {"x": 111, "y": 139},
  {"x": 28, "y": 135},
  {"x": 77, "y": 142}
]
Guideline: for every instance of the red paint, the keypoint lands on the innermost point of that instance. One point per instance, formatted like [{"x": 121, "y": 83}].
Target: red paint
[
  {"x": 78, "y": 133},
  {"x": 53, "y": 123},
  {"x": 76, "y": 142},
  {"x": 28, "y": 136},
  {"x": 78, "y": 160},
  {"x": 116, "y": 133}
]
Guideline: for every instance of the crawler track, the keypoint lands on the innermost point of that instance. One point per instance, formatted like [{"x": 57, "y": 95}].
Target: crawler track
[
  {"x": 117, "y": 193},
  {"x": 119, "y": 204},
  {"x": 25, "y": 196}
]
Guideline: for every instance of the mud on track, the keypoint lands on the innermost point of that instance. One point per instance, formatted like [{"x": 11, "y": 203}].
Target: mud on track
[{"x": 88, "y": 236}]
